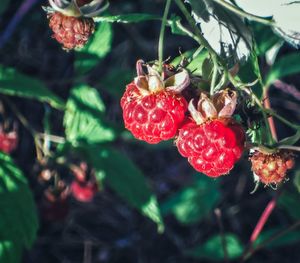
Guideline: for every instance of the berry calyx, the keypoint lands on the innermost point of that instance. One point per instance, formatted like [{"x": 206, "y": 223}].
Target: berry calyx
[
  {"x": 271, "y": 168},
  {"x": 153, "y": 108},
  {"x": 211, "y": 140}
]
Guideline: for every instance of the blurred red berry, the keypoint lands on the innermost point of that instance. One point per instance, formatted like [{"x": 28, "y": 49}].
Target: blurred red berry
[
  {"x": 8, "y": 141},
  {"x": 84, "y": 192}
]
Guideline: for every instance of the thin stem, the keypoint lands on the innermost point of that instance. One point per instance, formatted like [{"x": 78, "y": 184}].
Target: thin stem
[
  {"x": 214, "y": 76},
  {"x": 259, "y": 104},
  {"x": 197, "y": 31},
  {"x": 242, "y": 13},
  {"x": 271, "y": 239},
  {"x": 162, "y": 35},
  {"x": 267, "y": 105},
  {"x": 260, "y": 224},
  {"x": 223, "y": 240},
  {"x": 285, "y": 121}
]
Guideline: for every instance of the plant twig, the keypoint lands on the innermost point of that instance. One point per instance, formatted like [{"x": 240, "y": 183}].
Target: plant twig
[
  {"x": 271, "y": 239},
  {"x": 162, "y": 35},
  {"x": 221, "y": 227},
  {"x": 267, "y": 105},
  {"x": 260, "y": 225},
  {"x": 244, "y": 14}
]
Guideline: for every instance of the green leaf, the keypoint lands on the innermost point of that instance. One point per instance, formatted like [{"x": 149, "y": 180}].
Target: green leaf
[
  {"x": 286, "y": 65},
  {"x": 176, "y": 27},
  {"x": 10, "y": 252},
  {"x": 213, "y": 249},
  {"x": 129, "y": 18},
  {"x": 84, "y": 117},
  {"x": 250, "y": 72},
  {"x": 97, "y": 48},
  {"x": 116, "y": 80},
  {"x": 291, "y": 140},
  {"x": 265, "y": 38},
  {"x": 296, "y": 180},
  {"x": 194, "y": 202},
  {"x": 18, "y": 221},
  {"x": 289, "y": 200},
  {"x": 285, "y": 240},
  {"x": 122, "y": 175},
  {"x": 13, "y": 83},
  {"x": 3, "y": 6}
]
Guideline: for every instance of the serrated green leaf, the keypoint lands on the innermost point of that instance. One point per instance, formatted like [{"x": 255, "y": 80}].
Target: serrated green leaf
[
  {"x": 97, "y": 48},
  {"x": 122, "y": 175},
  {"x": 213, "y": 249},
  {"x": 250, "y": 72},
  {"x": 194, "y": 202},
  {"x": 18, "y": 221},
  {"x": 13, "y": 83},
  {"x": 84, "y": 118},
  {"x": 265, "y": 38},
  {"x": 284, "y": 66},
  {"x": 129, "y": 18},
  {"x": 10, "y": 252}
]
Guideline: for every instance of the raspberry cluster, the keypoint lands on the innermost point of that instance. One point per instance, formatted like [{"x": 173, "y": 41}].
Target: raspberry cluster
[{"x": 155, "y": 109}]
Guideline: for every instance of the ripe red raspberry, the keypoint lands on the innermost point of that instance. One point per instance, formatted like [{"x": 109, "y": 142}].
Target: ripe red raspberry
[
  {"x": 272, "y": 168},
  {"x": 8, "y": 141},
  {"x": 71, "y": 32},
  {"x": 84, "y": 192},
  {"x": 152, "y": 108},
  {"x": 213, "y": 147},
  {"x": 212, "y": 141}
]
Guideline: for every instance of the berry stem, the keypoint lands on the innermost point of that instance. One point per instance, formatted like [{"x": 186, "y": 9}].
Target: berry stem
[
  {"x": 285, "y": 121},
  {"x": 260, "y": 225},
  {"x": 214, "y": 76},
  {"x": 162, "y": 35},
  {"x": 244, "y": 14},
  {"x": 267, "y": 105}
]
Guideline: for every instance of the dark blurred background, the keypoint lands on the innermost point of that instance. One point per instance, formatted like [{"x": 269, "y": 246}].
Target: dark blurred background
[{"x": 107, "y": 229}]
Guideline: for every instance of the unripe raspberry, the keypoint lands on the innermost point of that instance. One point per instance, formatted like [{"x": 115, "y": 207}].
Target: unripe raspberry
[
  {"x": 153, "y": 108},
  {"x": 71, "y": 32},
  {"x": 211, "y": 140},
  {"x": 72, "y": 21},
  {"x": 272, "y": 168}
]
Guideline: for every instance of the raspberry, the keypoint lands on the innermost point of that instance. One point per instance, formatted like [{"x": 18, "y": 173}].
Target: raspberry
[
  {"x": 71, "y": 32},
  {"x": 84, "y": 192},
  {"x": 272, "y": 168},
  {"x": 153, "y": 108},
  {"x": 154, "y": 117},
  {"x": 213, "y": 147},
  {"x": 8, "y": 141},
  {"x": 211, "y": 140}
]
